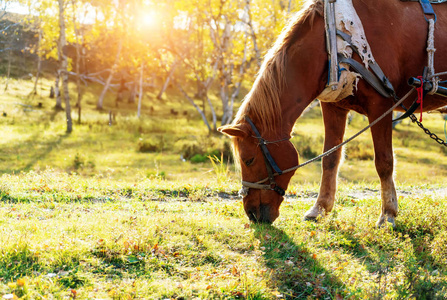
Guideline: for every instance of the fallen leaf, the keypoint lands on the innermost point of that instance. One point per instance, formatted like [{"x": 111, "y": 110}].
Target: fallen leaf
[
  {"x": 21, "y": 282},
  {"x": 126, "y": 245},
  {"x": 234, "y": 271}
]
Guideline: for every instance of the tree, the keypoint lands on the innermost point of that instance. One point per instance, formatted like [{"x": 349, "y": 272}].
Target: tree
[
  {"x": 202, "y": 47},
  {"x": 63, "y": 70},
  {"x": 112, "y": 72},
  {"x": 79, "y": 53},
  {"x": 218, "y": 41},
  {"x": 39, "y": 62}
]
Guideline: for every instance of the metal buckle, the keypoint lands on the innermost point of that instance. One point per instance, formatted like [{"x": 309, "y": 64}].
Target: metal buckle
[{"x": 279, "y": 190}]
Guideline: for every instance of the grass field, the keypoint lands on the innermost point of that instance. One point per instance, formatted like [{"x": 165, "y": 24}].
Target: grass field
[{"x": 126, "y": 211}]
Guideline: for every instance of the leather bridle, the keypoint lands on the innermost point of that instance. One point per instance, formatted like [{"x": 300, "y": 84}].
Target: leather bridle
[{"x": 270, "y": 164}]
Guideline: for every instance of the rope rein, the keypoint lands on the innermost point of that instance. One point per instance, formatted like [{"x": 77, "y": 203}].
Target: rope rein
[
  {"x": 431, "y": 58},
  {"x": 431, "y": 47}
]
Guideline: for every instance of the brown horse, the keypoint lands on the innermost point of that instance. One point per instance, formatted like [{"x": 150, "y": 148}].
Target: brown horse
[{"x": 295, "y": 72}]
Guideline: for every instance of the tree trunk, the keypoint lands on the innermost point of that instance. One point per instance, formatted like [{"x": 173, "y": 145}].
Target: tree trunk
[
  {"x": 132, "y": 92},
  {"x": 253, "y": 35},
  {"x": 100, "y": 103},
  {"x": 39, "y": 63},
  {"x": 9, "y": 70},
  {"x": 168, "y": 78},
  {"x": 195, "y": 106},
  {"x": 64, "y": 66},
  {"x": 140, "y": 96},
  {"x": 229, "y": 112},
  {"x": 213, "y": 112},
  {"x": 78, "y": 63},
  {"x": 58, "y": 91}
]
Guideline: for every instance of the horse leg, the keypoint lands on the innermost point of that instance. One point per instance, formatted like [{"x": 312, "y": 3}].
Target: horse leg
[
  {"x": 384, "y": 161},
  {"x": 334, "y": 127}
]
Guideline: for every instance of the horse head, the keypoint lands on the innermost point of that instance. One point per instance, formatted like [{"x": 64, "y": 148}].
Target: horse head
[{"x": 262, "y": 162}]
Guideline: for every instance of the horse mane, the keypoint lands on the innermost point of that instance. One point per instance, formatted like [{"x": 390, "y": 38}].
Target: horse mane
[{"x": 263, "y": 101}]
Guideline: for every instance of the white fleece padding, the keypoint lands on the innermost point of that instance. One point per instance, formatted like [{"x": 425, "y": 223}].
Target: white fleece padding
[{"x": 347, "y": 20}]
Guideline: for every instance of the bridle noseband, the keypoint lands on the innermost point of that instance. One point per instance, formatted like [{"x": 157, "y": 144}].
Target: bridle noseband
[{"x": 270, "y": 164}]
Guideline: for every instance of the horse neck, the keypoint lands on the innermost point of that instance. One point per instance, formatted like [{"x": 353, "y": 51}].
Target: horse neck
[{"x": 306, "y": 73}]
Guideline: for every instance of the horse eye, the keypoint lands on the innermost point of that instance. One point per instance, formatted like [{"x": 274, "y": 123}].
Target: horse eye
[{"x": 248, "y": 162}]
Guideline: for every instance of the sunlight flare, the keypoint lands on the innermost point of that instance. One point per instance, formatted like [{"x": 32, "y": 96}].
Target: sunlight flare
[{"x": 149, "y": 20}]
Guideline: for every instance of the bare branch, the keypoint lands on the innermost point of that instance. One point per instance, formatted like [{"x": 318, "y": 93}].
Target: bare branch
[{"x": 180, "y": 88}]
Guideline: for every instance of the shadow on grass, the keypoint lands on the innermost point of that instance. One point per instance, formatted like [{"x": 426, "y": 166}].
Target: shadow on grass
[
  {"x": 27, "y": 149},
  {"x": 416, "y": 264},
  {"x": 295, "y": 272}
]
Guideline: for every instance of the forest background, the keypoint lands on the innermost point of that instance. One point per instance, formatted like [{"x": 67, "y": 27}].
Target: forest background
[{"x": 206, "y": 50}]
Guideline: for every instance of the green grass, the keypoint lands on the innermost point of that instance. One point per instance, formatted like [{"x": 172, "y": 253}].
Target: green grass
[
  {"x": 64, "y": 233},
  {"x": 123, "y": 212}
]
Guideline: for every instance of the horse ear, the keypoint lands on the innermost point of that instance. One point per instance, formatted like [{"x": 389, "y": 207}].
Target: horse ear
[{"x": 234, "y": 130}]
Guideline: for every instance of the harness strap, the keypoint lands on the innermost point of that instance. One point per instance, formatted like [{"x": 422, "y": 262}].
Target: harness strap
[
  {"x": 383, "y": 86},
  {"x": 408, "y": 112},
  {"x": 366, "y": 74},
  {"x": 426, "y": 7},
  {"x": 331, "y": 42}
]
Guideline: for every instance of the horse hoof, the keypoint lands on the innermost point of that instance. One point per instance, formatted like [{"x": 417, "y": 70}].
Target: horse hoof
[
  {"x": 385, "y": 218},
  {"x": 313, "y": 214}
]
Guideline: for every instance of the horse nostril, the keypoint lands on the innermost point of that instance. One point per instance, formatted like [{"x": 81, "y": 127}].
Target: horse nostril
[
  {"x": 265, "y": 214},
  {"x": 252, "y": 216},
  {"x": 262, "y": 217}
]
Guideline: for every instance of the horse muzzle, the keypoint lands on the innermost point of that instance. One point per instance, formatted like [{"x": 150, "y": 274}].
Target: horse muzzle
[{"x": 260, "y": 215}]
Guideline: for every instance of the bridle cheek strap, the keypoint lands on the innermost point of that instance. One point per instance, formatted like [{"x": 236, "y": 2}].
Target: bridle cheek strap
[
  {"x": 265, "y": 151},
  {"x": 270, "y": 164}
]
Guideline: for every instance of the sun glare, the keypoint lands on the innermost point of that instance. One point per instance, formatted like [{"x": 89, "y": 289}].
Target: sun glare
[{"x": 150, "y": 20}]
